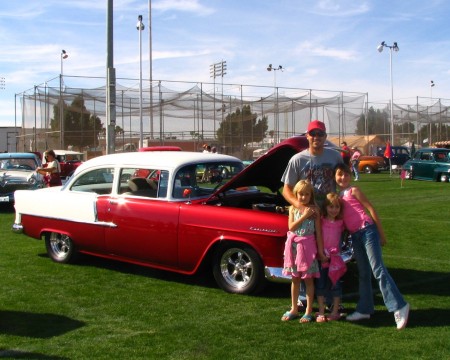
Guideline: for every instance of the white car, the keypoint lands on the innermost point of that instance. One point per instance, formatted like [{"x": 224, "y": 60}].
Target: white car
[{"x": 18, "y": 172}]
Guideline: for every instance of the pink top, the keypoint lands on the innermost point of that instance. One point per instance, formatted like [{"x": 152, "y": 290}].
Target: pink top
[
  {"x": 354, "y": 214},
  {"x": 299, "y": 253},
  {"x": 331, "y": 233}
]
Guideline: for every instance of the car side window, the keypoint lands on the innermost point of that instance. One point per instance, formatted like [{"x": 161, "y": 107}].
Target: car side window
[
  {"x": 426, "y": 156},
  {"x": 99, "y": 181},
  {"x": 141, "y": 182},
  {"x": 440, "y": 157}
]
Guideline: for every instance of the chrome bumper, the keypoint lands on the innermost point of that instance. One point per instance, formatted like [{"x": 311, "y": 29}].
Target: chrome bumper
[
  {"x": 275, "y": 275},
  {"x": 17, "y": 228}
]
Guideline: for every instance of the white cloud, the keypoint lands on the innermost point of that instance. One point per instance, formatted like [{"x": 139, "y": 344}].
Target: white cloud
[
  {"x": 192, "y": 6},
  {"x": 311, "y": 49}
]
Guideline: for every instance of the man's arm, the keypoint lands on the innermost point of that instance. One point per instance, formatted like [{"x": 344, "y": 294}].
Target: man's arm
[{"x": 288, "y": 194}]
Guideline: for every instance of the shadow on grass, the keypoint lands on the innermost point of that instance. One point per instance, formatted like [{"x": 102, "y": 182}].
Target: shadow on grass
[
  {"x": 418, "y": 318},
  {"x": 409, "y": 281},
  {"x": 42, "y": 326},
  {"x": 203, "y": 277},
  {"x": 17, "y": 354},
  {"x": 6, "y": 208}
]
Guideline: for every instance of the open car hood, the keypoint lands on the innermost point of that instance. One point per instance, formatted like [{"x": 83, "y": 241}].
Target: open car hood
[{"x": 268, "y": 169}]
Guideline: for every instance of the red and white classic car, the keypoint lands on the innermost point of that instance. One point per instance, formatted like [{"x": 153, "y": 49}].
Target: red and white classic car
[{"x": 170, "y": 210}]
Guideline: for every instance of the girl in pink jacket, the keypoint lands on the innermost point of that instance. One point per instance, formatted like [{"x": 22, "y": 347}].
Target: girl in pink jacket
[{"x": 303, "y": 247}]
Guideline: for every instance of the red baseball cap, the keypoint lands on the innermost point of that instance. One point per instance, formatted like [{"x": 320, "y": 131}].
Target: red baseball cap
[{"x": 316, "y": 124}]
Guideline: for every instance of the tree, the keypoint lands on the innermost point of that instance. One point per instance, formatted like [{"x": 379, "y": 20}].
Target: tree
[
  {"x": 242, "y": 127},
  {"x": 81, "y": 128},
  {"x": 377, "y": 123}
]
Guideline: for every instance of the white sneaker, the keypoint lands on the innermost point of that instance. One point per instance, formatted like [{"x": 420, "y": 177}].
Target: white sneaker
[
  {"x": 356, "y": 316},
  {"x": 401, "y": 317}
]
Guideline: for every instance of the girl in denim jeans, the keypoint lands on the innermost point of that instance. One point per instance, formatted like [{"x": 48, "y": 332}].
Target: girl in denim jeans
[
  {"x": 332, "y": 270},
  {"x": 367, "y": 239}
]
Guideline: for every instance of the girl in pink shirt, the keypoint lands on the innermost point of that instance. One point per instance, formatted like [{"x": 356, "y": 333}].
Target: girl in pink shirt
[
  {"x": 303, "y": 246},
  {"x": 364, "y": 225},
  {"x": 335, "y": 268}
]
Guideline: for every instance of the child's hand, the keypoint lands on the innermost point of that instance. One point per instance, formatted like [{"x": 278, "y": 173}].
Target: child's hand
[
  {"x": 311, "y": 212},
  {"x": 323, "y": 258}
]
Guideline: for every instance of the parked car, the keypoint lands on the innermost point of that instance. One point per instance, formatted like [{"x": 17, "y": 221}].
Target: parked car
[
  {"x": 371, "y": 164},
  {"x": 171, "y": 218},
  {"x": 68, "y": 160},
  {"x": 18, "y": 172},
  {"x": 400, "y": 155},
  {"x": 428, "y": 164},
  {"x": 160, "y": 148}
]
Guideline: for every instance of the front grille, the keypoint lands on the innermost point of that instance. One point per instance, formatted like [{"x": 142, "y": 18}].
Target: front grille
[{"x": 9, "y": 188}]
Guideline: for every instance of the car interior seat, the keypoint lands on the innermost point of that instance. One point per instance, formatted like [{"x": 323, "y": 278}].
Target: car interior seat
[{"x": 141, "y": 187}]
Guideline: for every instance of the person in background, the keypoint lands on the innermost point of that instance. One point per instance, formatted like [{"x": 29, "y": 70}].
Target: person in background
[
  {"x": 302, "y": 248},
  {"x": 345, "y": 153},
  {"x": 354, "y": 161},
  {"x": 367, "y": 239},
  {"x": 51, "y": 170}
]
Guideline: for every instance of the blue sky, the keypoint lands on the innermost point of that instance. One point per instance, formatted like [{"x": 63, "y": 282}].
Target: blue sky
[{"x": 321, "y": 44}]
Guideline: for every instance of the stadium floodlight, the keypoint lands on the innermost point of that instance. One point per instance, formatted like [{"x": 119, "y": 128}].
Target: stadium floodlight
[
  {"x": 275, "y": 94},
  {"x": 393, "y": 47},
  {"x": 270, "y": 68}
]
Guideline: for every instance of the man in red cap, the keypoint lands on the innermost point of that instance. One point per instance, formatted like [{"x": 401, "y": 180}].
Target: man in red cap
[{"x": 315, "y": 164}]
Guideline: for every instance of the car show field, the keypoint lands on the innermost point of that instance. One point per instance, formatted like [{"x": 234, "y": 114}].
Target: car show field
[{"x": 99, "y": 308}]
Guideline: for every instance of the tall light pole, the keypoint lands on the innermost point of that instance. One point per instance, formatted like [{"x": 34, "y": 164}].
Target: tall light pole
[
  {"x": 150, "y": 64},
  {"x": 110, "y": 82},
  {"x": 64, "y": 55},
  {"x": 431, "y": 104},
  {"x": 432, "y": 84},
  {"x": 275, "y": 93},
  {"x": 140, "y": 28},
  {"x": 216, "y": 70},
  {"x": 392, "y": 48}
]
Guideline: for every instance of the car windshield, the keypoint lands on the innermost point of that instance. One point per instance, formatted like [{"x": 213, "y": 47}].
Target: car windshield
[
  {"x": 200, "y": 180},
  {"x": 18, "y": 164}
]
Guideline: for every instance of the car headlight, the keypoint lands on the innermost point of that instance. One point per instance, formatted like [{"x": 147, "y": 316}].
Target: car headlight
[{"x": 34, "y": 180}]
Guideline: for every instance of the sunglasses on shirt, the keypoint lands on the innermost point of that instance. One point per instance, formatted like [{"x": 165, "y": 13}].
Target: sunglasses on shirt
[{"x": 316, "y": 133}]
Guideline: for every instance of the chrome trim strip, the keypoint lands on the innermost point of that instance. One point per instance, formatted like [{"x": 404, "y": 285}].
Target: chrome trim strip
[{"x": 274, "y": 274}]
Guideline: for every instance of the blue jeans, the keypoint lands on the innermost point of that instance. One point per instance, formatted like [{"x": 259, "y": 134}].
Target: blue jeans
[
  {"x": 324, "y": 286},
  {"x": 367, "y": 251},
  {"x": 355, "y": 169}
]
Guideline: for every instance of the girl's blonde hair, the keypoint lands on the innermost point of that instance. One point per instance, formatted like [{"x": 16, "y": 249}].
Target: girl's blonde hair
[
  {"x": 330, "y": 199},
  {"x": 305, "y": 186}
]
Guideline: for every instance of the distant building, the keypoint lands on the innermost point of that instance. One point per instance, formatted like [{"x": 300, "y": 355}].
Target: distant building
[{"x": 8, "y": 138}]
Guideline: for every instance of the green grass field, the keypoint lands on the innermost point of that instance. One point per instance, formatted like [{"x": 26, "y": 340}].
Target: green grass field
[{"x": 99, "y": 309}]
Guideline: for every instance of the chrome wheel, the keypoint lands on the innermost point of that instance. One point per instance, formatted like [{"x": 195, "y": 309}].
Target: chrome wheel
[
  {"x": 368, "y": 169},
  {"x": 238, "y": 270},
  {"x": 60, "y": 247}
]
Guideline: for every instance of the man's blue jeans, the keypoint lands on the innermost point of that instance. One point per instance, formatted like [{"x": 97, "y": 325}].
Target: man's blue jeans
[{"x": 367, "y": 252}]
